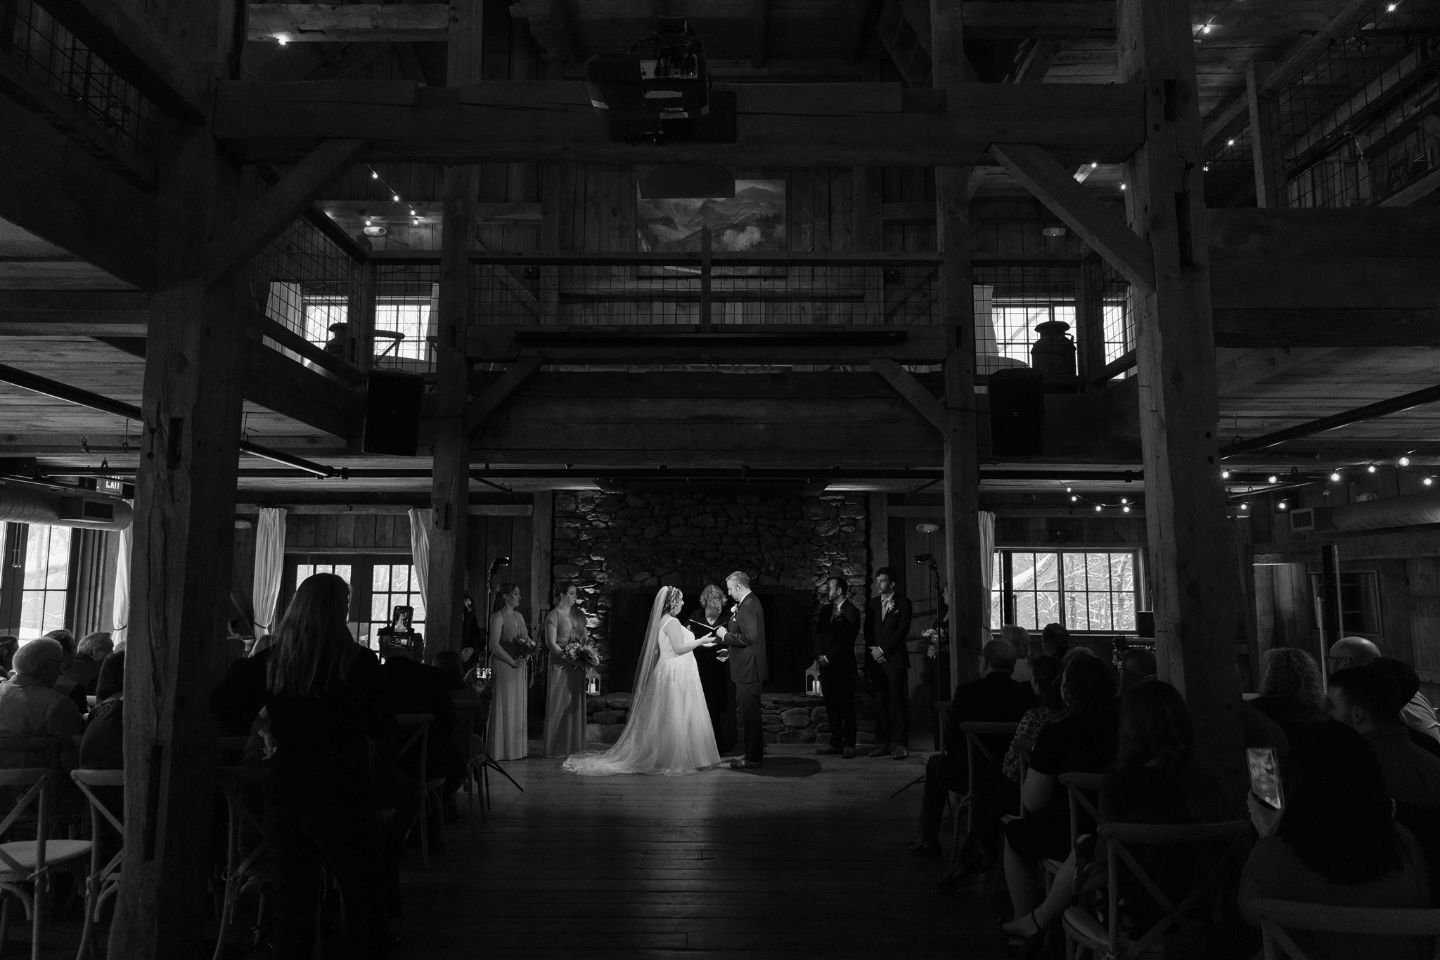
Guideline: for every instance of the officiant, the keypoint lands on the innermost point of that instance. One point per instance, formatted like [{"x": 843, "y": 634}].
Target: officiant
[{"x": 714, "y": 673}]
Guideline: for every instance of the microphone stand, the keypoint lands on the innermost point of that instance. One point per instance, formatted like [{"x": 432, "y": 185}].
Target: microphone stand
[{"x": 489, "y": 762}]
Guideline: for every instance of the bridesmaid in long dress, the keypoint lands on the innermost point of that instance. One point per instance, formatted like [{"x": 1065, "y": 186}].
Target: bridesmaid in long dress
[
  {"x": 508, "y": 735},
  {"x": 565, "y": 695}
]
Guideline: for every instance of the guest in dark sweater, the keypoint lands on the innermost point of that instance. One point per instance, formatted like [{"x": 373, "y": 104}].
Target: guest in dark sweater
[
  {"x": 995, "y": 696},
  {"x": 103, "y": 745},
  {"x": 1291, "y": 693}
]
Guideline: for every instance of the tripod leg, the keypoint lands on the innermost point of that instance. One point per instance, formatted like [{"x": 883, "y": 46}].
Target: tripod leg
[
  {"x": 494, "y": 764},
  {"x": 919, "y": 779}
]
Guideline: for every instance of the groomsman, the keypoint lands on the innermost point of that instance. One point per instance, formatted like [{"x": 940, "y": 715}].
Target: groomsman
[
  {"x": 836, "y": 627},
  {"x": 887, "y": 627},
  {"x": 745, "y": 639}
]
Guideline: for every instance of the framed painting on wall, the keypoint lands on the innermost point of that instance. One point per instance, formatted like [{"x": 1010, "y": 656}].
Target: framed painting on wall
[{"x": 753, "y": 221}]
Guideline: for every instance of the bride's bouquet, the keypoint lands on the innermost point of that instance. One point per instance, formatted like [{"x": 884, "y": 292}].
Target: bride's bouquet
[
  {"x": 519, "y": 647},
  {"x": 582, "y": 652}
]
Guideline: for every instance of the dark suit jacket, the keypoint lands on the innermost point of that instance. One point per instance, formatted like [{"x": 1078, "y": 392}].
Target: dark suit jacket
[
  {"x": 995, "y": 696},
  {"x": 835, "y": 631},
  {"x": 888, "y": 633},
  {"x": 746, "y": 639}
]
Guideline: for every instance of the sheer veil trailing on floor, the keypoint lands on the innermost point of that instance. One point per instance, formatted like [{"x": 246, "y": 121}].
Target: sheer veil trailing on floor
[{"x": 668, "y": 730}]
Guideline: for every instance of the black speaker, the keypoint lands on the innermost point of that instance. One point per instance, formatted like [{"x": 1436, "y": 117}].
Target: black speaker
[
  {"x": 1017, "y": 412},
  {"x": 392, "y": 413}
]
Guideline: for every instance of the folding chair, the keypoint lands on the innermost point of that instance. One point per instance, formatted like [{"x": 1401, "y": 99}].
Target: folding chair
[
  {"x": 414, "y": 732},
  {"x": 30, "y": 862},
  {"x": 247, "y": 845},
  {"x": 1215, "y": 847},
  {"x": 103, "y": 881},
  {"x": 977, "y": 752},
  {"x": 1279, "y": 917}
]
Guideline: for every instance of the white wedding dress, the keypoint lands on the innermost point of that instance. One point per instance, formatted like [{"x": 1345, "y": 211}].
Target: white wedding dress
[{"x": 668, "y": 731}]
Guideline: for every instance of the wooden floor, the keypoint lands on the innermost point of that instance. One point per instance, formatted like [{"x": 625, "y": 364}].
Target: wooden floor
[{"x": 803, "y": 858}]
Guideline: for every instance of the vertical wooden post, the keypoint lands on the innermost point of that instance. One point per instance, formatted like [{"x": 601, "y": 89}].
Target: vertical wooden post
[
  {"x": 964, "y": 590},
  {"x": 1090, "y": 317},
  {"x": 362, "y": 331},
  {"x": 1197, "y": 618},
  {"x": 180, "y": 579},
  {"x": 450, "y": 480},
  {"x": 1269, "y": 161}
]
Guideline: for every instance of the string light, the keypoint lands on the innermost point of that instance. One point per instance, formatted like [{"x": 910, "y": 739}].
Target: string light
[
  {"x": 282, "y": 38},
  {"x": 1335, "y": 476},
  {"x": 1224, "y": 474},
  {"x": 1428, "y": 481},
  {"x": 1370, "y": 468},
  {"x": 1403, "y": 461},
  {"x": 1272, "y": 479}
]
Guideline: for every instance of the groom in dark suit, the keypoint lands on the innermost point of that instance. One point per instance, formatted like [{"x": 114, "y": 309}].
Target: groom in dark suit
[
  {"x": 887, "y": 666},
  {"x": 836, "y": 625},
  {"x": 745, "y": 641}
]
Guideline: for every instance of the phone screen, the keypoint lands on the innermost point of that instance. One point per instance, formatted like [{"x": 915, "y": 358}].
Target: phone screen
[{"x": 1265, "y": 776}]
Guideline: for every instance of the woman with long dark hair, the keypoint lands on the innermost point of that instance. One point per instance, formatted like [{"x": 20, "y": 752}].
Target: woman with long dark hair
[
  {"x": 565, "y": 690},
  {"x": 508, "y": 734},
  {"x": 326, "y": 715}
]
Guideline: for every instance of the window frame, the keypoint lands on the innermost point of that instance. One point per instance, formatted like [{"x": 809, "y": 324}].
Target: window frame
[
  {"x": 16, "y": 546},
  {"x": 1004, "y": 595},
  {"x": 362, "y": 565}
]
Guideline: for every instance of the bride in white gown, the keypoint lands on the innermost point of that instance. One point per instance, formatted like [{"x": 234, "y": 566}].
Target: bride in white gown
[{"x": 668, "y": 730}]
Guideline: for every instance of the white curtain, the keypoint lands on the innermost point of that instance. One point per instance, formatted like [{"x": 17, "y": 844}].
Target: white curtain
[
  {"x": 431, "y": 327},
  {"x": 420, "y": 548},
  {"x": 120, "y": 618},
  {"x": 987, "y": 567},
  {"x": 269, "y": 565}
]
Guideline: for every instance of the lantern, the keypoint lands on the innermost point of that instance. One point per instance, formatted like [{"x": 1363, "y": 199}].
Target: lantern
[
  {"x": 812, "y": 681},
  {"x": 592, "y": 682}
]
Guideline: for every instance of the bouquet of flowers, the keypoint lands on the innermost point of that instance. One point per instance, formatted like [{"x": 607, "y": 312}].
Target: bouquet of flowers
[
  {"x": 935, "y": 641},
  {"x": 519, "y": 647},
  {"x": 582, "y": 652}
]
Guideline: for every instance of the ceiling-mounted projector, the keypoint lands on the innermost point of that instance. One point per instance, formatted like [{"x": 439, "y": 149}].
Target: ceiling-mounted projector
[{"x": 659, "y": 89}]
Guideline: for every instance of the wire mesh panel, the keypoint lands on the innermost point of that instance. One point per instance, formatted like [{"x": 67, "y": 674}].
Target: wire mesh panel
[
  {"x": 52, "y": 55},
  {"x": 1011, "y": 300},
  {"x": 1359, "y": 122},
  {"x": 407, "y": 300},
  {"x": 1117, "y": 317},
  {"x": 306, "y": 282}
]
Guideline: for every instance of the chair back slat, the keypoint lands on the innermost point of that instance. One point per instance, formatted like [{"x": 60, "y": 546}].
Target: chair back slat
[
  {"x": 88, "y": 779},
  {"x": 33, "y": 783},
  {"x": 1120, "y": 837}
]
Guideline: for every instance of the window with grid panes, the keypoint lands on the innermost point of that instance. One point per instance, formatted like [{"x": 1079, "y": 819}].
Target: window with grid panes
[
  {"x": 1092, "y": 590},
  {"x": 392, "y": 585},
  {"x": 47, "y": 576},
  {"x": 1015, "y": 322}
]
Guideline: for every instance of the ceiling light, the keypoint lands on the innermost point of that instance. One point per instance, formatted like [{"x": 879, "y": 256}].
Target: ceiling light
[
  {"x": 1428, "y": 480},
  {"x": 1370, "y": 469},
  {"x": 1125, "y": 509},
  {"x": 1094, "y": 165},
  {"x": 1224, "y": 474},
  {"x": 1230, "y": 142},
  {"x": 374, "y": 175},
  {"x": 1403, "y": 461},
  {"x": 1124, "y": 500},
  {"x": 395, "y": 197},
  {"x": 1122, "y": 186},
  {"x": 1244, "y": 506},
  {"x": 1335, "y": 476},
  {"x": 1272, "y": 479},
  {"x": 1074, "y": 499},
  {"x": 1283, "y": 505},
  {"x": 1097, "y": 508}
]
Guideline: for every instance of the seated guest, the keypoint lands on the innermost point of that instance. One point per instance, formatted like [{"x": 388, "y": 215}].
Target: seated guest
[
  {"x": 89, "y": 654},
  {"x": 413, "y": 688},
  {"x": 398, "y": 639},
  {"x": 1366, "y": 701},
  {"x": 1290, "y": 689},
  {"x": 1054, "y": 640},
  {"x": 995, "y": 696},
  {"x": 1154, "y": 779},
  {"x": 30, "y": 706},
  {"x": 65, "y": 684},
  {"x": 1415, "y": 709},
  {"x": 1335, "y": 843},
  {"x": 1082, "y": 742},
  {"x": 1019, "y": 638},
  {"x": 467, "y": 706},
  {"x": 1350, "y": 652},
  {"x": 103, "y": 746},
  {"x": 1045, "y": 674}
]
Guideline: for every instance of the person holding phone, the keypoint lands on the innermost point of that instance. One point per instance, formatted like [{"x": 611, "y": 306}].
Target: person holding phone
[{"x": 1334, "y": 843}]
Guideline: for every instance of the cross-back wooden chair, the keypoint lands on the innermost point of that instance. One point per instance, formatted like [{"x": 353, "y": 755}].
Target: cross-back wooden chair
[
  {"x": 1082, "y": 795},
  {"x": 103, "y": 790},
  {"x": 26, "y": 864},
  {"x": 1279, "y": 917},
  {"x": 414, "y": 733},
  {"x": 1214, "y": 849},
  {"x": 248, "y": 851},
  {"x": 980, "y": 756}
]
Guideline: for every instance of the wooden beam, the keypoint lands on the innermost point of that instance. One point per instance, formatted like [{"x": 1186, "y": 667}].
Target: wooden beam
[
  {"x": 759, "y": 32},
  {"x": 277, "y": 383},
  {"x": 1036, "y": 61},
  {"x": 64, "y": 313},
  {"x": 1195, "y": 579},
  {"x": 348, "y": 23},
  {"x": 914, "y": 393},
  {"x": 1073, "y": 20},
  {"x": 497, "y": 393},
  {"x": 57, "y": 191},
  {"x": 1414, "y": 192},
  {"x": 1224, "y": 121},
  {"x": 280, "y": 205},
  {"x": 789, "y": 124},
  {"x": 1255, "y": 366},
  {"x": 734, "y": 343},
  {"x": 137, "y": 52},
  {"x": 311, "y": 354},
  {"x": 1327, "y": 327},
  {"x": 1267, "y": 154},
  {"x": 1053, "y": 185}
]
